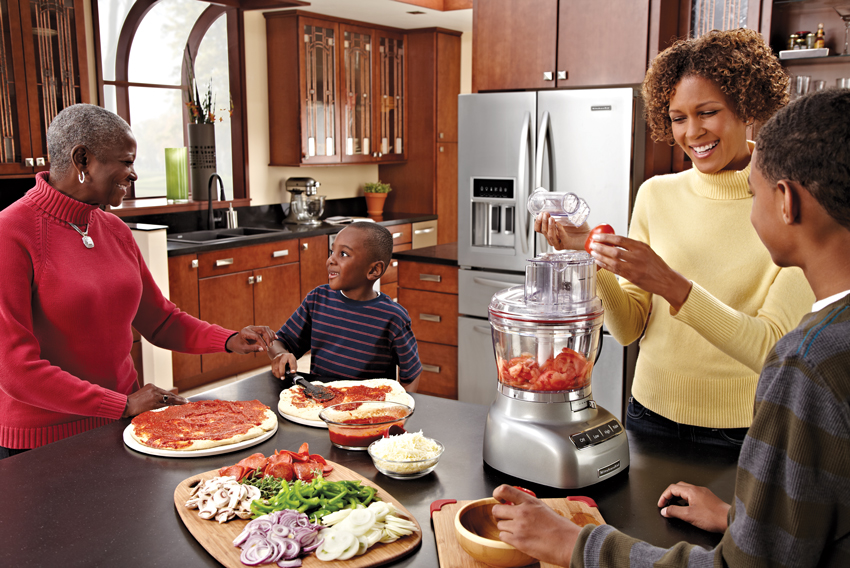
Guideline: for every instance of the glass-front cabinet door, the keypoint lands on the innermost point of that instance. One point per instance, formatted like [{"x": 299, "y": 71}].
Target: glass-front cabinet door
[
  {"x": 356, "y": 80},
  {"x": 42, "y": 70},
  {"x": 391, "y": 90},
  {"x": 320, "y": 142}
]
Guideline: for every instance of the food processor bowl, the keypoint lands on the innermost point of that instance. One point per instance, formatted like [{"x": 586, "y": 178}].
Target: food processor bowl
[{"x": 546, "y": 332}]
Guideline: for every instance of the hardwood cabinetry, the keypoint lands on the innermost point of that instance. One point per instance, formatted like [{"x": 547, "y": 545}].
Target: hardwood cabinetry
[
  {"x": 313, "y": 256},
  {"x": 429, "y": 294},
  {"x": 543, "y": 44},
  {"x": 44, "y": 68},
  {"x": 257, "y": 284},
  {"x": 402, "y": 240},
  {"x": 337, "y": 91},
  {"x": 427, "y": 183}
]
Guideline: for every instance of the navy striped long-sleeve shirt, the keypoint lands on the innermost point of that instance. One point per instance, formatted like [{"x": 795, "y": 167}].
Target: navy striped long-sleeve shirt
[{"x": 350, "y": 339}]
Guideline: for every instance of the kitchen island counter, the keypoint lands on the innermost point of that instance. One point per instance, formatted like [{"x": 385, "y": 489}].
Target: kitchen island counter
[{"x": 89, "y": 500}]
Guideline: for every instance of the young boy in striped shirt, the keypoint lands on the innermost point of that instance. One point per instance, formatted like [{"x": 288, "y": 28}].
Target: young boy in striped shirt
[
  {"x": 352, "y": 331},
  {"x": 792, "y": 491}
]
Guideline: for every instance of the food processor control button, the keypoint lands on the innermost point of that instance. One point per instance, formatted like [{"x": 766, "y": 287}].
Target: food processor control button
[
  {"x": 607, "y": 432},
  {"x": 595, "y": 435},
  {"x": 581, "y": 440},
  {"x": 615, "y": 426}
]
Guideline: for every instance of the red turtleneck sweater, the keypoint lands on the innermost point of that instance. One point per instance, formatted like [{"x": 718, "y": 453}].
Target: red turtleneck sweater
[{"x": 66, "y": 314}]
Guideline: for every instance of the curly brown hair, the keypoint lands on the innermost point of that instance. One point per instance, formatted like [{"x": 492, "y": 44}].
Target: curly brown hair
[{"x": 739, "y": 61}]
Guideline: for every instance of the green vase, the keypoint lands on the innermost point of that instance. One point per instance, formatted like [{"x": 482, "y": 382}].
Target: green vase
[{"x": 176, "y": 175}]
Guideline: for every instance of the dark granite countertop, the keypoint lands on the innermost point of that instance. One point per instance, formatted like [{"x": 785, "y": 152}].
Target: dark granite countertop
[
  {"x": 438, "y": 254},
  {"x": 89, "y": 500},
  {"x": 285, "y": 232}
]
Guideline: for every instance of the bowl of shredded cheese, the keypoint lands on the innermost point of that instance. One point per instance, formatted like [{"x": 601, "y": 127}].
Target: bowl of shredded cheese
[{"x": 406, "y": 456}]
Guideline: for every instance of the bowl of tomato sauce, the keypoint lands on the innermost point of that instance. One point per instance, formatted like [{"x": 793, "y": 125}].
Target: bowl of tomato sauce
[{"x": 355, "y": 425}]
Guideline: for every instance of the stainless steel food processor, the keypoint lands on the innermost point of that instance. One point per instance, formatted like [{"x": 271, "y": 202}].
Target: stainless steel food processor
[
  {"x": 305, "y": 206},
  {"x": 544, "y": 425}
]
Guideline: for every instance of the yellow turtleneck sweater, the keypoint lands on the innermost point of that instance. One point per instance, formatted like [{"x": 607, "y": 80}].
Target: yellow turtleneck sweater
[{"x": 700, "y": 366}]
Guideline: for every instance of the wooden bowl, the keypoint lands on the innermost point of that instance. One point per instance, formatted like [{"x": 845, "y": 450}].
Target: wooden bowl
[{"x": 477, "y": 534}]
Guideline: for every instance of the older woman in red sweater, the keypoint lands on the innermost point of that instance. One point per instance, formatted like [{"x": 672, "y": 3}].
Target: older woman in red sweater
[{"x": 74, "y": 284}]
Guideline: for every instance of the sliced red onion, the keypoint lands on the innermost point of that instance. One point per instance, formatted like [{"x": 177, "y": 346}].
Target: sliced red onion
[
  {"x": 294, "y": 563},
  {"x": 279, "y": 537}
]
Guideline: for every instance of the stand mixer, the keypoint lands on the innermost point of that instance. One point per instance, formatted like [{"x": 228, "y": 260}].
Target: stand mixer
[
  {"x": 305, "y": 207},
  {"x": 544, "y": 425}
]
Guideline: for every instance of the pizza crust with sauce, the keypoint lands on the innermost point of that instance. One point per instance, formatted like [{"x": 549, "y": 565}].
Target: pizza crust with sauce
[
  {"x": 202, "y": 425},
  {"x": 293, "y": 401}
]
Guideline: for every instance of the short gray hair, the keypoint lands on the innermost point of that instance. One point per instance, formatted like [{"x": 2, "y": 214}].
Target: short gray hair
[{"x": 92, "y": 126}]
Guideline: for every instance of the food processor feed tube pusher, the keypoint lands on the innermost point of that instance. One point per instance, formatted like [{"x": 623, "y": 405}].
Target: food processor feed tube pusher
[{"x": 544, "y": 425}]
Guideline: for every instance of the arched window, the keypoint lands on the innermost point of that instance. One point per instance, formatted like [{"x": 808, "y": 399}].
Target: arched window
[{"x": 144, "y": 49}]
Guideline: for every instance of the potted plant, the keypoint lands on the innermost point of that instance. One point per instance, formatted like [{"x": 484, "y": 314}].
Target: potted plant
[{"x": 376, "y": 194}]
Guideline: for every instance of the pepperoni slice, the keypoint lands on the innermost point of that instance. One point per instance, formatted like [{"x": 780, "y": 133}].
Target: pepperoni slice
[
  {"x": 304, "y": 470},
  {"x": 237, "y": 471},
  {"x": 254, "y": 461},
  {"x": 281, "y": 470},
  {"x": 326, "y": 467}
]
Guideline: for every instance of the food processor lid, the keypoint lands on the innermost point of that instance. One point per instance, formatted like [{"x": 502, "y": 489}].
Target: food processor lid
[{"x": 559, "y": 287}]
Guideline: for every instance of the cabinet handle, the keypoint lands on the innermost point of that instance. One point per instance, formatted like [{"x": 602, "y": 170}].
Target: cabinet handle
[
  {"x": 397, "y": 235},
  {"x": 224, "y": 262},
  {"x": 40, "y": 162},
  {"x": 441, "y": 134},
  {"x": 304, "y": 246},
  {"x": 195, "y": 263},
  {"x": 259, "y": 279},
  {"x": 429, "y": 317},
  {"x": 547, "y": 75},
  {"x": 430, "y": 368},
  {"x": 562, "y": 75},
  {"x": 255, "y": 279},
  {"x": 280, "y": 253},
  {"x": 429, "y": 277},
  {"x": 423, "y": 231},
  {"x": 250, "y": 280},
  {"x": 29, "y": 162},
  {"x": 395, "y": 263},
  {"x": 442, "y": 149}
]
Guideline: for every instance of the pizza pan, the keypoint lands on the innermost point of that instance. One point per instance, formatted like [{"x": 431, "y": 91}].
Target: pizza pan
[{"x": 226, "y": 449}]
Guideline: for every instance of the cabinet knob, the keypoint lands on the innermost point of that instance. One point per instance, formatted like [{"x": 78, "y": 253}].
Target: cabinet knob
[
  {"x": 562, "y": 75},
  {"x": 304, "y": 246},
  {"x": 442, "y": 148},
  {"x": 255, "y": 279},
  {"x": 259, "y": 279},
  {"x": 441, "y": 134},
  {"x": 29, "y": 162},
  {"x": 547, "y": 75},
  {"x": 40, "y": 162},
  {"x": 250, "y": 280},
  {"x": 195, "y": 263}
]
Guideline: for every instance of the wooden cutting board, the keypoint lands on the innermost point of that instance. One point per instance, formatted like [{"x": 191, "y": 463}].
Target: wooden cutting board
[
  {"x": 217, "y": 538},
  {"x": 451, "y": 555}
]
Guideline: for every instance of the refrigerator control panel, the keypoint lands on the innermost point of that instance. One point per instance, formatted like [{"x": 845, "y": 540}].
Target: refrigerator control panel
[{"x": 492, "y": 188}]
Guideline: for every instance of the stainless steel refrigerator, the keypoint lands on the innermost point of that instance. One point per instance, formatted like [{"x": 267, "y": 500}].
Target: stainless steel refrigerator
[{"x": 589, "y": 142}]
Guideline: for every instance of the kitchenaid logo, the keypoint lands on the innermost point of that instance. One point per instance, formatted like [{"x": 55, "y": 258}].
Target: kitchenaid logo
[
  {"x": 601, "y": 107},
  {"x": 609, "y": 468}
]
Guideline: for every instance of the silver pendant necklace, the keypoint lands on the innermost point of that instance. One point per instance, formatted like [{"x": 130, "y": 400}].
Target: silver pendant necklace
[{"x": 87, "y": 240}]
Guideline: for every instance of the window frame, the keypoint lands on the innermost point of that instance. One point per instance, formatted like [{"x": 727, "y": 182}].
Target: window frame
[{"x": 236, "y": 64}]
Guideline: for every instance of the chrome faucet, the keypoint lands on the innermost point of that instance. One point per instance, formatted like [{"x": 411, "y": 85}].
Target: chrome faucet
[{"x": 210, "y": 217}]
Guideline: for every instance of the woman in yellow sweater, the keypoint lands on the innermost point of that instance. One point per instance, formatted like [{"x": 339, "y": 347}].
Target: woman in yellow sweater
[{"x": 696, "y": 285}]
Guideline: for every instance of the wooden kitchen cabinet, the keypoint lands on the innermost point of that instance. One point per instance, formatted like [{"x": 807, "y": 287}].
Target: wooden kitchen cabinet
[
  {"x": 402, "y": 240},
  {"x": 427, "y": 182},
  {"x": 313, "y": 257},
  {"x": 44, "y": 67},
  {"x": 429, "y": 294},
  {"x": 255, "y": 284},
  {"x": 337, "y": 91},
  {"x": 544, "y": 44}
]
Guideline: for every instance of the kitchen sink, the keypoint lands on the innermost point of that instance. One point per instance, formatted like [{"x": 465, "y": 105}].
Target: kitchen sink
[{"x": 214, "y": 235}]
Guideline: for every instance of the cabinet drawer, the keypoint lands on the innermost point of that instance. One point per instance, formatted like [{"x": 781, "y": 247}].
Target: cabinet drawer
[
  {"x": 239, "y": 259},
  {"x": 390, "y": 290},
  {"x": 391, "y": 275},
  {"x": 439, "y": 370},
  {"x": 401, "y": 233},
  {"x": 433, "y": 316},
  {"x": 427, "y": 276}
]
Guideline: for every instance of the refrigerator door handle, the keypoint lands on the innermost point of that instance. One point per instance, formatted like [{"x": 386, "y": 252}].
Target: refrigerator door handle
[
  {"x": 542, "y": 139},
  {"x": 521, "y": 210},
  {"x": 493, "y": 283}
]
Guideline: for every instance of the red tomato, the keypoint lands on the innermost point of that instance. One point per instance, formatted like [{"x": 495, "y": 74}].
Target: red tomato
[
  {"x": 597, "y": 230},
  {"x": 529, "y": 491}
]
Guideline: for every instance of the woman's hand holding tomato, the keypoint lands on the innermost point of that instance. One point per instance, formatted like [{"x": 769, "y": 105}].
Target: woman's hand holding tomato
[{"x": 639, "y": 264}]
